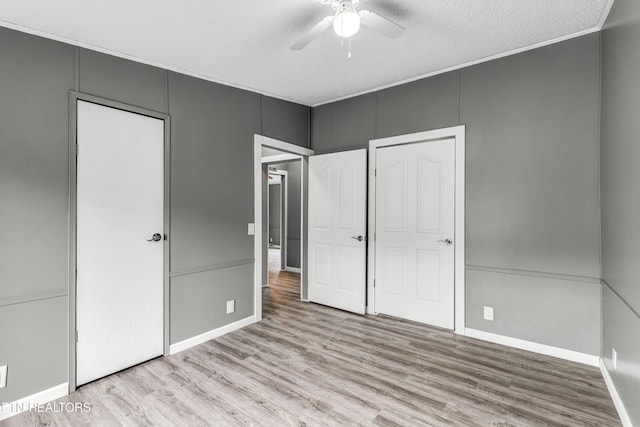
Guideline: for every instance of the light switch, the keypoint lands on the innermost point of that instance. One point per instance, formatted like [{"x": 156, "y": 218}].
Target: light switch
[{"x": 251, "y": 229}]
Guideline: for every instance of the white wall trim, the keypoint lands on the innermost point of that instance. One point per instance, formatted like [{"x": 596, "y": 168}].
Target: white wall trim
[
  {"x": 561, "y": 353},
  {"x": 215, "y": 333},
  {"x": 260, "y": 141},
  {"x": 293, "y": 269},
  {"x": 287, "y": 147},
  {"x": 530, "y": 273},
  {"x": 605, "y": 14},
  {"x": 458, "y": 134},
  {"x": 257, "y": 227},
  {"x": 135, "y": 58},
  {"x": 464, "y": 65},
  {"x": 278, "y": 158},
  {"x": 613, "y": 391},
  {"x": 29, "y": 402}
]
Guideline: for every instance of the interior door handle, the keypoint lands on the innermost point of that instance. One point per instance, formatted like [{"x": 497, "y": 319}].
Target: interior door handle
[
  {"x": 155, "y": 238},
  {"x": 447, "y": 241},
  {"x": 359, "y": 238}
]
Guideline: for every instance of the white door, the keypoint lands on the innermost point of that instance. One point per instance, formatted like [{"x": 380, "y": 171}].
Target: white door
[
  {"x": 120, "y": 176},
  {"x": 337, "y": 224},
  {"x": 414, "y": 274}
]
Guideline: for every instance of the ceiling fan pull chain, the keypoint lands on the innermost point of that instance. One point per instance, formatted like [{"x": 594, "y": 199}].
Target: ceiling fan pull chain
[{"x": 349, "y": 55}]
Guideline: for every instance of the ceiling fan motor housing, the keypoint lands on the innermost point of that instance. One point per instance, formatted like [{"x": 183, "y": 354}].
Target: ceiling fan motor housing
[{"x": 346, "y": 23}]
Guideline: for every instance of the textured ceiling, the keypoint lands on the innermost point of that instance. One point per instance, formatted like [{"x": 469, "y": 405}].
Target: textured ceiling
[{"x": 245, "y": 43}]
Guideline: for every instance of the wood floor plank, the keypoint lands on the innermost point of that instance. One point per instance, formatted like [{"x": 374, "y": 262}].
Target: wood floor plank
[{"x": 309, "y": 365}]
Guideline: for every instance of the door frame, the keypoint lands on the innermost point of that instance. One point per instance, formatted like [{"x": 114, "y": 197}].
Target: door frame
[
  {"x": 260, "y": 141},
  {"x": 284, "y": 217},
  {"x": 74, "y": 97},
  {"x": 458, "y": 134}
]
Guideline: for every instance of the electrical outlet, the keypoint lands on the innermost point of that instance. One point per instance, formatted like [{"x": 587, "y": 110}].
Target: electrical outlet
[
  {"x": 488, "y": 313},
  {"x": 251, "y": 229},
  {"x": 3, "y": 376},
  {"x": 231, "y": 306},
  {"x": 614, "y": 358}
]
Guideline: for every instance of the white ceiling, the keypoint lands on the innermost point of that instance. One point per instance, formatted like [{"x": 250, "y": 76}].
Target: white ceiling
[{"x": 245, "y": 43}]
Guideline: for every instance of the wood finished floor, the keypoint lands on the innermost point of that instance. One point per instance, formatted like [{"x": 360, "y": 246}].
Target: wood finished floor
[{"x": 306, "y": 364}]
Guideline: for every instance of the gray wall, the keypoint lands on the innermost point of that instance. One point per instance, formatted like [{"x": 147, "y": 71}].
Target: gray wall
[
  {"x": 532, "y": 181},
  {"x": 212, "y": 145},
  {"x": 285, "y": 121},
  {"x": 620, "y": 174},
  {"x": 533, "y": 231},
  {"x": 212, "y": 129},
  {"x": 293, "y": 208},
  {"x": 35, "y": 77}
]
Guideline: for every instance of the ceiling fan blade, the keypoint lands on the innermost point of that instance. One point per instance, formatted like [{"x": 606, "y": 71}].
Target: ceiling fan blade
[
  {"x": 314, "y": 32},
  {"x": 382, "y": 25}
]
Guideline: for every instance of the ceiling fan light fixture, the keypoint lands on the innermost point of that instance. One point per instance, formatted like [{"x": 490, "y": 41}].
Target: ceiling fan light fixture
[{"x": 347, "y": 21}]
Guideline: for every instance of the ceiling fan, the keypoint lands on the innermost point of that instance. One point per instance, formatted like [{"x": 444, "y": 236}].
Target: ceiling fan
[{"x": 346, "y": 22}]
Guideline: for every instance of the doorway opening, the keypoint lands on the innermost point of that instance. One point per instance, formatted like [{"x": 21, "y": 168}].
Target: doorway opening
[
  {"x": 277, "y": 217},
  {"x": 280, "y": 216},
  {"x": 283, "y": 242}
]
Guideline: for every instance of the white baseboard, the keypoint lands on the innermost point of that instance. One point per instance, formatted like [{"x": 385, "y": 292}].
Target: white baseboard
[
  {"x": 26, "y": 403},
  {"x": 199, "y": 339},
  {"x": 293, "y": 269},
  {"x": 617, "y": 401},
  {"x": 561, "y": 353}
]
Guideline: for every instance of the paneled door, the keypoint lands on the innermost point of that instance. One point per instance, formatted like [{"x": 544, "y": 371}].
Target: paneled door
[
  {"x": 120, "y": 215},
  {"x": 337, "y": 224},
  {"x": 415, "y": 207}
]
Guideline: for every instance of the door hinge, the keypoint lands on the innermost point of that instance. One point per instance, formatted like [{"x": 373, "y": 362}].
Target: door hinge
[
  {"x": 374, "y": 283},
  {"x": 76, "y": 336},
  {"x": 77, "y": 149}
]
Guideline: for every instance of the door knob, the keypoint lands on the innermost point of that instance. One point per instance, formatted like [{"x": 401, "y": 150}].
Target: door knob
[
  {"x": 446, "y": 241},
  {"x": 155, "y": 238},
  {"x": 358, "y": 238}
]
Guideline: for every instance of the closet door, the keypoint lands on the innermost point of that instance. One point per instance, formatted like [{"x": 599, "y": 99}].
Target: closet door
[
  {"x": 120, "y": 205},
  {"x": 415, "y": 229}
]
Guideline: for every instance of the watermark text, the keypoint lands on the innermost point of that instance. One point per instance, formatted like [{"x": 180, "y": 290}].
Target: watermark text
[{"x": 56, "y": 407}]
